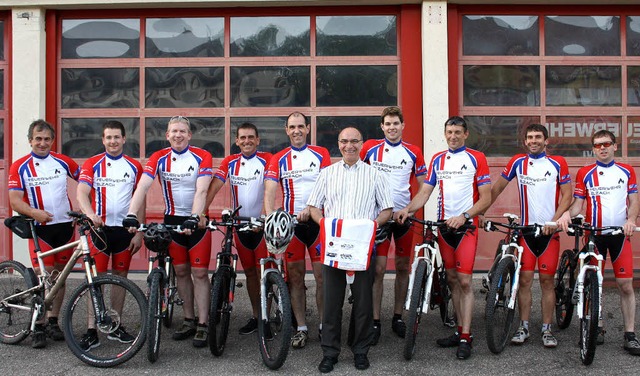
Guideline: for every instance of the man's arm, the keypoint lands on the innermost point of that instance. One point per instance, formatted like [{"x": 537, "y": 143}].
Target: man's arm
[
  {"x": 200, "y": 197},
  {"x": 83, "y": 195},
  {"x": 575, "y": 209},
  {"x": 15, "y": 200},
  {"x": 632, "y": 214},
  {"x": 316, "y": 214},
  {"x": 139, "y": 196},
  {"x": 214, "y": 188},
  {"x": 484, "y": 201},
  {"x": 270, "y": 188},
  {"x": 416, "y": 203},
  {"x": 563, "y": 205},
  {"x": 384, "y": 216},
  {"x": 497, "y": 188}
]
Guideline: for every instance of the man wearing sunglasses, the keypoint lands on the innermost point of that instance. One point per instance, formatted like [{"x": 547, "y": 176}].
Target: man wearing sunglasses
[{"x": 611, "y": 193}]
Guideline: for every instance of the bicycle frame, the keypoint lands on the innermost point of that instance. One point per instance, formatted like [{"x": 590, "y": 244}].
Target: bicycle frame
[
  {"x": 513, "y": 237},
  {"x": 578, "y": 293},
  {"x": 431, "y": 254},
  {"x": 264, "y": 271}
]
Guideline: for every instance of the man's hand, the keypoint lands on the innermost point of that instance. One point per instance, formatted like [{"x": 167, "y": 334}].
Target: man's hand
[
  {"x": 564, "y": 221},
  {"x": 41, "y": 216},
  {"x": 304, "y": 215},
  {"x": 455, "y": 222},
  {"x": 97, "y": 221},
  {"x": 549, "y": 230},
  {"x": 482, "y": 221},
  {"x": 629, "y": 228},
  {"x": 401, "y": 215},
  {"x": 191, "y": 224},
  {"x": 131, "y": 223},
  {"x": 136, "y": 243}
]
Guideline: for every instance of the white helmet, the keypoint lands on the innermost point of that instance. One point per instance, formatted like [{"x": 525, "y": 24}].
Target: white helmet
[{"x": 278, "y": 231}]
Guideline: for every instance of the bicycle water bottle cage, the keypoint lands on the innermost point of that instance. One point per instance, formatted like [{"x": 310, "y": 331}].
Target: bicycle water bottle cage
[{"x": 157, "y": 238}]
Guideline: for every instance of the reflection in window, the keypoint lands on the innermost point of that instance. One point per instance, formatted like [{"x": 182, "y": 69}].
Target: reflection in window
[
  {"x": 329, "y": 127},
  {"x": 184, "y": 87},
  {"x": 270, "y": 36},
  {"x": 270, "y": 129},
  {"x": 501, "y": 85},
  {"x": 82, "y": 138},
  {"x": 270, "y": 86},
  {"x": 633, "y": 35},
  {"x": 633, "y": 137},
  {"x": 633, "y": 86},
  {"x": 500, "y": 35},
  {"x": 571, "y": 136},
  {"x": 582, "y": 36},
  {"x": 184, "y": 37},
  {"x": 374, "y": 85},
  {"x": 356, "y": 35},
  {"x": 206, "y": 133},
  {"x": 498, "y": 136},
  {"x": 100, "y": 87},
  {"x": 584, "y": 86},
  {"x": 103, "y": 38}
]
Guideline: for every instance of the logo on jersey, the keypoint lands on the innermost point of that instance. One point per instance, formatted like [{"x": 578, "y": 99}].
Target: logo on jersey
[
  {"x": 464, "y": 167},
  {"x": 547, "y": 174},
  {"x": 126, "y": 175},
  {"x": 403, "y": 162},
  {"x": 191, "y": 169},
  {"x": 57, "y": 171},
  {"x": 312, "y": 165},
  {"x": 620, "y": 181},
  {"x": 257, "y": 172}
]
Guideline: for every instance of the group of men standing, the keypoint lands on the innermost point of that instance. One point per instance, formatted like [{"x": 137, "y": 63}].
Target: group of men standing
[{"x": 371, "y": 181}]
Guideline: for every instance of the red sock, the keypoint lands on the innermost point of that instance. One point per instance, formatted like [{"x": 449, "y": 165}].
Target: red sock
[
  {"x": 459, "y": 330},
  {"x": 465, "y": 336}
]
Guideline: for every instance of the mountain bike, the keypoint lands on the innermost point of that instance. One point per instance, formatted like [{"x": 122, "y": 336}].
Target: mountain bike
[
  {"x": 428, "y": 287},
  {"x": 503, "y": 281},
  {"x": 585, "y": 289},
  {"x": 25, "y": 297}
]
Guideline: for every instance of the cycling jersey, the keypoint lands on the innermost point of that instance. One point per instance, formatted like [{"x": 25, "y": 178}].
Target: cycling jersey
[
  {"x": 297, "y": 170},
  {"x": 178, "y": 173},
  {"x": 246, "y": 176},
  {"x": 539, "y": 180},
  {"x": 457, "y": 175},
  {"x": 605, "y": 188},
  {"x": 44, "y": 183},
  {"x": 112, "y": 180},
  {"x": 398, "y": 161}
]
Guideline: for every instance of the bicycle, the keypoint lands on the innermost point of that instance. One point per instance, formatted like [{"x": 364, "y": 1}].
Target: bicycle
[
  {"x": 503, "y": 281},
  {"x": 428, "y": 287},
  {"x": 584, "y": 289},
  {"x": 25, "y": 297},
  {"x": 161, "y": 282},
  {"x": 223, "y": 281}
]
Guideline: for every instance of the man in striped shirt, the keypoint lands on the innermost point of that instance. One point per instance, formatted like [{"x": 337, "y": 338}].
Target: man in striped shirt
[{"x": 349, "y": 189}]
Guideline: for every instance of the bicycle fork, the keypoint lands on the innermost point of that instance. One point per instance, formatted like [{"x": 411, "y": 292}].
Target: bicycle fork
[
  {"x": 578, "y": 292},
  {"x": 263, "y": 286},
  {"x": 516, "y": 275},
  {"x": 430, "y": 258}
]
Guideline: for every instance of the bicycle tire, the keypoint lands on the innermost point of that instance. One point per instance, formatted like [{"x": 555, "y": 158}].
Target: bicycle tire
[
  {"x": 274, "y": 350},
  {"x": 565, "y": 283},
  {"x": 589, "y": 321},
  {"x": 77, "y": 311},
  {"x": 447, "y": 311},
  {"x": 15, "y": 324},
  {"x": 154, "y": 317},
  {"x": 219, "y": 310},
  {"x": 499, "y": 318},
  {"x": 418, "y": 293},
  {"x": 171, "y": 290}
]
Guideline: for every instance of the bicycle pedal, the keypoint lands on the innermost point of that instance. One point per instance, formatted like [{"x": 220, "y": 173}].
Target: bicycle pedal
[
  {"x": 179, "y": 302},
  {"x": 239, "y": 284}
]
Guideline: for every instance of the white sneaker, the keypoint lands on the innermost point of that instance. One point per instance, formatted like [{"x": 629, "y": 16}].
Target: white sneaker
[
  {"x": 548, "y": 339},
  {"x": 521, "y": 335}
]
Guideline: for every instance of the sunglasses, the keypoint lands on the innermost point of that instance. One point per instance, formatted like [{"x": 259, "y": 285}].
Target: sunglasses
[
  {"x": 180, "y": 119},
  {"x": 601, "y": 144}
]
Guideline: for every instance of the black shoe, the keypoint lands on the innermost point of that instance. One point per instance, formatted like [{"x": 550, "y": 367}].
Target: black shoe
[
  {"x": 89, "y": 340},
  {"x": 250, "y": 327},
  {"x": 377, "y": 329},
  {"x": 200, "y": 339},
  {"x": 451, "y": 341},
  {"x": 39, "y": 338},
  {"x": 399, "y": 327},
  {"x": 121, "y": 335},
  {"x": 361, "y": 361},
  {"x": 464, "y": 349},
  {"x": 187, "y": 330},
  {"x": 54, "y": 332},
  {"x": 327, "y": 363},
  {"x": 268, "y": 335}
]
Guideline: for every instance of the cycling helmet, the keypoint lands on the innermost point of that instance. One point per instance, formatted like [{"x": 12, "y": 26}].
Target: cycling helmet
[
  {"x": 278, "y": 231},
  {"x": 157, "y": 238}
]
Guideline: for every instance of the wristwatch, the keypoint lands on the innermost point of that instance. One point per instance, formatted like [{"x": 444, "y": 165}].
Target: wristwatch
[{"x": 466, "y": 216}]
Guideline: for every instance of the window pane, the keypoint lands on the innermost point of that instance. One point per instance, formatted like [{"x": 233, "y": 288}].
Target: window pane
[
  {"x": 1, "y": 89},
  {"x": 633, "y": 35},
  {"x": 82, "y": 138},
  {"x": 329, "y": 128},
  {"x": 184, "y": 87},
  {"x": 356, "y": 35},
  {"x": 207, "y": 133},
  {"x": 271, "y": 131},
  {"x": 571, "y": 135},
  {"x": 498, "y": 136},
  {"x": 117, "y": 38},
  {"x": 375, "y": 85},
  {"x": 584, "y": 86},
  {"x": 185, "y": 37},
  {"x": 270, "y": 36},
  {"x": 1, "y": 139},
  {"x": 633, "y": 137},
  {"x": 100, "y": 87},
  {"x": 270, "y": 86},
  {"x": 500, "y": 35},
  {"x": 582, "y": 35},
  {"x": 633, "y": 86},
  {"x": 501, "y": 85}
]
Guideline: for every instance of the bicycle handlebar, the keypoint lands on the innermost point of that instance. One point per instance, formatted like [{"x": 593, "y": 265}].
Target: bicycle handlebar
[{"x": 440, "y": 224}]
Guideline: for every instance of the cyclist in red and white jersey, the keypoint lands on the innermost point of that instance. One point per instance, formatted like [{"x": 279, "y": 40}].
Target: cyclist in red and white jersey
[
  {"x": 105, "y": 188},
  {"x": 245, "y": 173},
  {"x": 398, "y": 161},
  {"x": 544, "y": 185},
  {"x": 38, "y": 184},
  {"x": 461, "y": 176},
  {"x": 296, "y": 169},
  {"x": 611, "y": 192},
  {"x": 184, "y": 173}
]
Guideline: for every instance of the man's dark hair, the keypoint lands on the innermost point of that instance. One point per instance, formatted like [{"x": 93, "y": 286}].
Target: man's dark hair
[
  {"x": 39, "y": 126},
  {"x": 536, "y": 128},
  {"x": 456, "y": 120},
  {"x": 113, "y": 124},
  {"x": 603, "y": 133},
  {"x": 392, "y": 111},
  {"x": 297, "y": 114},
  {"x": 247, "y": 125}
]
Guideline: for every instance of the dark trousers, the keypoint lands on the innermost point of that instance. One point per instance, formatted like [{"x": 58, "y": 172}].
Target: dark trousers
[{"x": 334, "y": 286}]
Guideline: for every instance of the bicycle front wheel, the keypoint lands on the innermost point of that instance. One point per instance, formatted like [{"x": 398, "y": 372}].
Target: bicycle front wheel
[
  {"x": 15, "y": 323},
  {"x": 274, "y": 331},
  {"x": 219, "y": 310},
  {"x": 499, "y": 318},
  {"x": 418, "y": 292},
  {"x": 154, "y": 316},
  {"x": 590, "y": 316},
  {"x": 171, "y": 291},
  {"x": 447, "y": 312},
  {"x": 121, "y": 303},
  {"x": 565, "y": 282}
]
